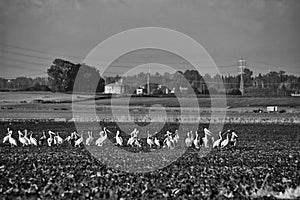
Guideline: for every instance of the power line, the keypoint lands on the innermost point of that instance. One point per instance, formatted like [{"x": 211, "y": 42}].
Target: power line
[
  {"x": 40, "y": 52},
  {"x": 23, "y": 61},
  {"x": 18, "y": 66},
  {"x": 51, "y": 56},
  {"x": 24, "y": 54}
]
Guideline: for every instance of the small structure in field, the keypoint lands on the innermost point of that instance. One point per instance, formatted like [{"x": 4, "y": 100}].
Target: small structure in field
[
  {"x": 272, "y": 108},
  {"x": 140, "y": 91}
]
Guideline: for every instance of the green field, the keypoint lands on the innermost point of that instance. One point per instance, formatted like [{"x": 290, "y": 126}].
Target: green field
[
  {"x": 47, "y": 105},
  {"x": 29, "y": 97}
]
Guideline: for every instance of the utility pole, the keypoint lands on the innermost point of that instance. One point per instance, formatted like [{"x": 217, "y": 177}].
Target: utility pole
[
  {"x": 242, "y": 66},
  {"x": 148, "y": 81}
]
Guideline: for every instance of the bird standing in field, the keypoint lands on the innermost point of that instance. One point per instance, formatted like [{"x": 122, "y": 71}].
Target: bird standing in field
[
  {"x": 22, "y": 140},
  {"x": 205, "y": 138},
  {"x": 137, "y": 143},
  {"x": 119, "y": 139},
  {"x": 57, "y": 139},
  {"x": 26, "y": 137},
  {"x": 6, "y": 138},
  {"x": 156, "y": 141},
  {"x": 225, "y": 142},
  {"x": 102, "y": 138},
  {"x": 11, "y": 140},
  {"x": 75, "y": 135},
  {"x": 176, "y": 136},
  {"x": 149, "y": 140},
  {"x": 43, "y": 139},
  {"x": 90, "y": 138},
  {"x": 196, "y": 141},
  {"x": 68, "y": 139},
  {"x": 32, "y": 139},
  {"x": 189, "y": 139},
  {"x": 79, "y": 141},
  {"x": 217, "y": 143},
  {"x": 50, "y": 139},
  {"x": 169, "y": 142},
  {"x": 130, "y": 141},
  {"x": 134, "y": 133},
  {"x": 233, "y": 139}
]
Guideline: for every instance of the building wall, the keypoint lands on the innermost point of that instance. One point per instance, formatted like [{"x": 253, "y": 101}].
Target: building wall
[{"x": 114, "y": 89}]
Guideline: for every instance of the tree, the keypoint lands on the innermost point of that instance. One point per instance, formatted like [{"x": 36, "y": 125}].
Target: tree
[
  {"x": 88, "y": 80},
  {"x": 63, "y": 74},
  {"x": 58, "y": 75},
  {"x": 194, "y": 79},
  {"x": 247, "y": 76}
]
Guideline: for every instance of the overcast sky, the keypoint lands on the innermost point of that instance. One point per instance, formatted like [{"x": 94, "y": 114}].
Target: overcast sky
[{"x": 264, "y": 32}]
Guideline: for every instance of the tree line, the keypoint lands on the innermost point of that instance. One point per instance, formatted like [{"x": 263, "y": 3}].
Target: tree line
[{"x": 62, "y": 75}]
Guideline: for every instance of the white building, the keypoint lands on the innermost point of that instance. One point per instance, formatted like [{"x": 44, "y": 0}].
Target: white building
[{"x": 115, "y": 88}]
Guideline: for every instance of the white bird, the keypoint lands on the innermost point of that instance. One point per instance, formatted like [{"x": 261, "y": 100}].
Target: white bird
[
  {"x": 149, "y": 140},
  {"x": 26, "y": 137},
  {"x": 205, "y": 138},
  {"x": 42, "y": 139},
  {"x": 32, "y": 139},
  {"x": 137, "y": 143},
  {"x": 218, "y": 141},
  {"x": 196, "y": 141},
  {"x": 90, "y": 139},
  {"x": 225, "y": 142},
  {"x": 57, "y": 139},
  {"x": 233, "y": 139},
  {"x": 50, "y": 139},
  {"x": 189, "y": 139},
  {"x": 6, "y": 138},
  {"x": 22, "y": 140},
  {"x": 130, "y": 141},
  {"x": 119, "y": 139},
  {"x": 156, "y": 141},
  {"x": 102, "y": 138},
  {"x": 169, "y": 142},
  {"x": 11, "y": 140},
  {"x": 79, "y": 141},
  {"x": 68, "y": 139},
  {"x": 176, "y": 137},
  {"x": 74, "y": 135},
  {"x": 134, "y": 133}
]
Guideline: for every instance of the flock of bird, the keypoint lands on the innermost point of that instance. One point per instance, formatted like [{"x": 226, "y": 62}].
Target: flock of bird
[{"x": 170, "y": 140}]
